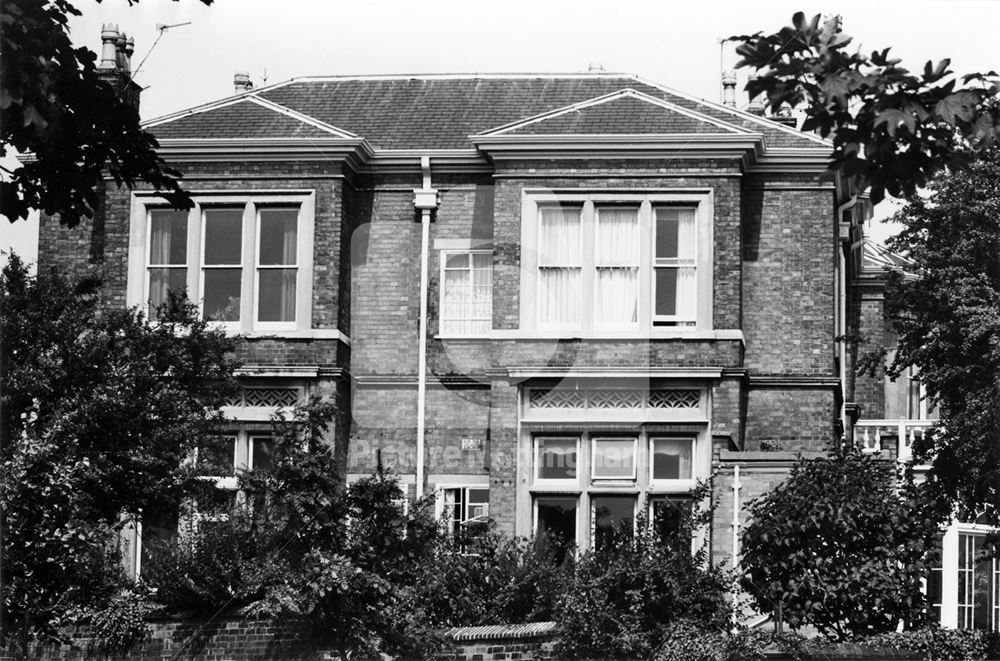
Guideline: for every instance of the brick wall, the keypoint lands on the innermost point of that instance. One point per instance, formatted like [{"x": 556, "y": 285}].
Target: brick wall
[
  {"x": 788, "y": 278},
  {"x": 791, "y": 418},
  {"x": 237, "y": 638}
]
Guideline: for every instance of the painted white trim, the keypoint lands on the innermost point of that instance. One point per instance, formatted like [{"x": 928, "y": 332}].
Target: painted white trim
[{"x": 703, "y": 373}]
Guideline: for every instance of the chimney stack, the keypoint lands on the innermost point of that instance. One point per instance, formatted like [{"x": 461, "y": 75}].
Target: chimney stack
[
  {"x": 595, "y": 67},
  {"x": 755, "y": 107},
  {"x": 729, "y": 88},
  {"x": 241, "y": 82},
  {"x": 115, "y": 67}
]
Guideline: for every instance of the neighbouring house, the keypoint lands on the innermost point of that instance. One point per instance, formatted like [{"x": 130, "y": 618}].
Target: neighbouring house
[{"x": 553, "y": 300}]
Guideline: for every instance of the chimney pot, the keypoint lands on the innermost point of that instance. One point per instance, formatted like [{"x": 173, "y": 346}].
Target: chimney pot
[
  {"x": 242, "y": 82},
  {"x": 595, "y": 67},
  {"x": 755, "y": 107},
  {"x": 109, "y": 46}
]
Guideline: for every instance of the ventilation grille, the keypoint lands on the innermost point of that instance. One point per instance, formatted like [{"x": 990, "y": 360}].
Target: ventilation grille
[
  {"x": 657, "y": 398},
  {"x": 265, "y": 397}
]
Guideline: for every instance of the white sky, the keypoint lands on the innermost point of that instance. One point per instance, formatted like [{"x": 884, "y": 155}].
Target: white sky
[{"x": 658, "y": 40}]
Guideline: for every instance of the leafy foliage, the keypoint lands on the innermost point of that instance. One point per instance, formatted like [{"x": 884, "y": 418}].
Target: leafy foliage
[
  {"x": 99, "y": 410},
  {"x": 946, "y": 315},
  {"x": 54, "y": 104},
  {"x": 122, "y": 623},
  {"x": 623, "y": 598},
  {"x": 837, "y": 547},
  {"x": 493, "y": 580},
  {"x": 942, "y": 644},
  {"x": 687, "y": 640},
  {"x": 891, "y": 129}
]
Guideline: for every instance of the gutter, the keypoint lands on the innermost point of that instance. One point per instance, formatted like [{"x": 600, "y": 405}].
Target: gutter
[{"x": 425, "y": 200}]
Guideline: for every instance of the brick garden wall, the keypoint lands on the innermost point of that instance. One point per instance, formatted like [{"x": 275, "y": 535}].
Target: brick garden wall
[{"x": 236, "y": 638}]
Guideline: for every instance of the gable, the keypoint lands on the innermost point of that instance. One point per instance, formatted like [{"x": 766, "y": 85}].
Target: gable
[
  {"x": 624, "y": 112},
  {"x": 245, "y": 118}
]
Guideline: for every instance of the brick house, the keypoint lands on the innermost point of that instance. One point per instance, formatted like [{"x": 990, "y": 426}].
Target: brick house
[{"x": 552, "y": 300}]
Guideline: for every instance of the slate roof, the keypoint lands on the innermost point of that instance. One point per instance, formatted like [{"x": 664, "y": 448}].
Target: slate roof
[
  {"x": 441, "y": 112},
  {"x": 243, "y": 119},
  {"x": 622, "y": 113}
]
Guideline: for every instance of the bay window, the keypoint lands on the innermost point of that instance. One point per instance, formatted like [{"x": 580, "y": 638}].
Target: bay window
[
  {"x": 616, "y": 262},
  {"x": 245, "y": 261}
]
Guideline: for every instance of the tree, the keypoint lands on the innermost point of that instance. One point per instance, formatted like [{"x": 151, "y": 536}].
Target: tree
[
  {"x": 946, "y": 315},
  {"x": 891, "y": 129},
  {"x": 76, "y": 126},
  {"x": 836, "y": 546},
  {"x": 100, "y": 409}
]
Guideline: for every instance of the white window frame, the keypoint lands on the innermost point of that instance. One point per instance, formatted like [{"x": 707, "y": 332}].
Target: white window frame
[
  {"x": 556, "y": 495},
  {"x": 138, "y": 273},
  {"x": 951, "y": 548},
  {"x": 675, "y": 263},
  {"x": 595, "y": 439},
  {"x": 680, "y": 485},
  {"x": 443, "y": 256},
  {"x": 548, "y": 482},
  {"x": 701, "y": 200}
]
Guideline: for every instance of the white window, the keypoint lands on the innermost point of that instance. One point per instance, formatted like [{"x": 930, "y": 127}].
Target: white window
[
  {"x": 964, "y": 591},
  {"x": 466, "y": 292},
  {"x": 220, "y": 463},
  {"x": 600, "y": 263},
  {"x": 464, "y": 507},
  {"x": 617, "y": 473},
  {"x": 675, "y": 283},
  {"x": 245, "y": 262}
]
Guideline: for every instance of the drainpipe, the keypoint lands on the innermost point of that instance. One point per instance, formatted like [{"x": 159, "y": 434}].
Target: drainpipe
[
  {"x": 736, "y": 531},
  {"x": 425, "y": 200},
  {"x": 842, "y": 306}
]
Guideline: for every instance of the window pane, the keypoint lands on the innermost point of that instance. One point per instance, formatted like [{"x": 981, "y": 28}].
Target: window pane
[
  {"x": 167, "y": 236},
  {"x": 278, "y": 236},
  {"x": 614, "y": 458},
  {"x": 613, "y": 515},
  {"x": 617, "y": 239},
  {"x": 668, "y": 515},
  {"x": 672, "y": 459},
  {"x": 559, "y": 236},
  {"x": 482, "y": 260},
  {"x": 557, "y": 520},
  {"x": 457, "y": 261},
  {"x": 675, "y": 233},
  {"x": 263, "y": 451},
  {"x": 215, "y": 458},
  {"x": 478, "y": 503},
  {"x": 559, "y": 296},
  {"x": 161, "y": 282},
  {"x": 223, "y": 236},
  {"x": 277, "y": 295},
  {"x": 666, "y": 291},
  {"x": 556, "y": 459},
  {"x": 222, "y": 294},
  {"x": 617, "y": 296}
]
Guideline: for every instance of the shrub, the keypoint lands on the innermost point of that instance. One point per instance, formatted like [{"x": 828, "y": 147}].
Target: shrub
[
  {"x": 942, "y": 644},
  {"x": 122, "y": 624},
  {"x": 684, "y": 640},
  {"x": 623, "y": 598},
  {"x": 837, "y": 546},
  {"x": 491, "y": 580}
]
